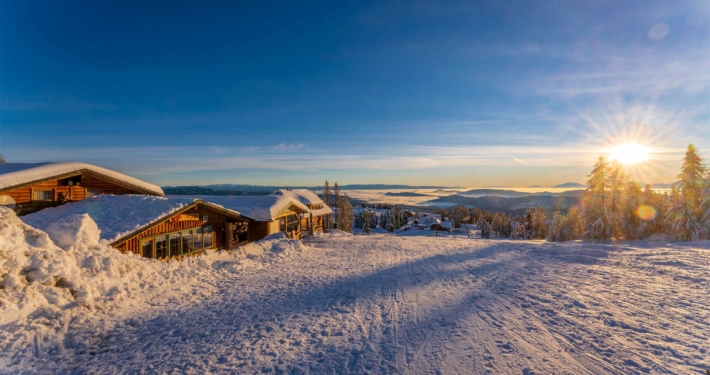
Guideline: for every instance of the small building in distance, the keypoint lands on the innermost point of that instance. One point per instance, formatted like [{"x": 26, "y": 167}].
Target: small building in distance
[
  {"x": 154, "y": 227},
  {"x": 30, "y": 187},
  {"x": 270, "y": 213},
  {"x": 317, "y": 209}
]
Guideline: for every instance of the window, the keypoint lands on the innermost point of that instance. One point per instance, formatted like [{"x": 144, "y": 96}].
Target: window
[
  {"x": 174, "y": 244},
  {"x": 161, "y": 247},
  {"x": 43, "y": 195},
  {"x": 208, "y": 239},
  {"x": 147, "y": 247},
  {"x": 186, "y": 242},
  {"x": 92, "y": 192},
  {"x": 197, "y": 239}
]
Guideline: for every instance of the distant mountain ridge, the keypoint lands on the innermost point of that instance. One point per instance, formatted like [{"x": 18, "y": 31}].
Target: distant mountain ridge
[
  {"x": 243, "y": 189},
  {"x": 570, "y": 185},
  {"x": 514, "y": 194}
]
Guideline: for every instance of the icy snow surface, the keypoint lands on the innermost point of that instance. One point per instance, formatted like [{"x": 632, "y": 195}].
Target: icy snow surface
[
  {"x": 115, "y": 215},
  {"x": 12, "y": 174},
  {"x": 257, "y": 207},
  {"x": 382, "y": 303}
]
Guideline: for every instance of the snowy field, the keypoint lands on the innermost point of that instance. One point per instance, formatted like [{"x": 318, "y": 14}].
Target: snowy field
[{"x": 379, "y": 303}]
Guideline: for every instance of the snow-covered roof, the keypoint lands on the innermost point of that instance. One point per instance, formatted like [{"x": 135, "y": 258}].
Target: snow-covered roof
[
  {"x": 306, "y": 197},
  {"x": 257, "y": 207},
  {"x": 17, "y": 174},
  {"x": 115, "y": 215}
]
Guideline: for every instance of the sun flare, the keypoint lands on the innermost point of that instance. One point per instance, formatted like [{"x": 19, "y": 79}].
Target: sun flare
[{"x": 629, "y": 153}]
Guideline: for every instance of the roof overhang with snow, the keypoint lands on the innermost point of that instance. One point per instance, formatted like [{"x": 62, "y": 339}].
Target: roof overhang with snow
[
  {"x": 308, "y": 198},
  {"x": 18, "y": 175},
  {"x": 257, "y": 207}
]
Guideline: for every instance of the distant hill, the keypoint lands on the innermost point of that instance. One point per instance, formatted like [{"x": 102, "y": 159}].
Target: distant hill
[
  {"x": 514, "y": 194},
  {"x": 406, "y": 194},
  {"x": 514, "y": 205},
  {"x": 239, "y": 189},
  {"x": 660, "y": 186},
  {"x": 568, "y": 185}
]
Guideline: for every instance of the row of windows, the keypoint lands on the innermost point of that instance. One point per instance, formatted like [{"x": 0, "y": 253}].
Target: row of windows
[
  {"x": 177, "y": 243},
  {"x": 48, "y": 195}
]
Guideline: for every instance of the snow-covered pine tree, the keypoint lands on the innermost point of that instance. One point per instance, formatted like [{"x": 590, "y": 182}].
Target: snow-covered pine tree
[
  {"x": 336, "y": 201},
  {"x": 574, "y": 226},
  {"x": 687, "y": 226},
  {"x": 615, "y": 201},
  {"x": 366, "y": 221},
  {"x": 485, "y": 229},
  {"x": 557, "y": 228},
  {"x": 529, "y": 232},
  {"x": 594, "y": 203},
  {"x": 632, "y": 226},
  {"x": 345, "y": 214},
  {"x": 540, "y": 223},
  {"x": 327, "y": 223},
  {"x": 705, "y": 209}
]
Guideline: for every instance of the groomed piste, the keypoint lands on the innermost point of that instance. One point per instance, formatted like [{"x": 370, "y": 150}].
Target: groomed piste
[{"x": 346, "y": 303}]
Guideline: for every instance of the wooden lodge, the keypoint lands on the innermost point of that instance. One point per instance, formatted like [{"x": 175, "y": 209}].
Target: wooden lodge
[
  {"x": 270, "y": 213},
  {"x": 30, "y": 187},
  {"x": 318, "y": 211},
  {"x": 170, "y": 227}
]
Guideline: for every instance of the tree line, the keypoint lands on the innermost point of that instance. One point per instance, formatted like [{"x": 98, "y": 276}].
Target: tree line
[{"x": 613, "y": 207}]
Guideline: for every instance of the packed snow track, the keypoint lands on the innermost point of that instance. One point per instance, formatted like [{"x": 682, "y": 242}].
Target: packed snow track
[{"x": 382, "y": 304}]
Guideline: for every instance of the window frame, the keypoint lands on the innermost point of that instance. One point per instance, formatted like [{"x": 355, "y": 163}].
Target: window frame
[
  {"x": 52, "y": 192},
  {"x": 86, "y": 192},
  {"x": 181, "y": 246}
]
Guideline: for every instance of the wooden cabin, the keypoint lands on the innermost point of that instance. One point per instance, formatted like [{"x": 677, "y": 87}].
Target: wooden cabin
[
  {"x": 318, "y": 211},
  {"x": 30, "y": 187},
  {"x": 172, "y": 227},
  {"x": 270, "y": 213}
]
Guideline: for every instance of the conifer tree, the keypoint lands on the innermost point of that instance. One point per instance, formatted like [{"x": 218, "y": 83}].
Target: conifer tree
[
  {"x": 687, "y": 226},
  {"x": 615, "y": 200},
  {"x": 327, "y": 200},
  {"x": 705, "y": 209},
  {"x": 594, "y": 203},
  {"x": 539, "y": 223},
  {"x": 345, "y": 217},
  {"x": 632, "y": 227}
]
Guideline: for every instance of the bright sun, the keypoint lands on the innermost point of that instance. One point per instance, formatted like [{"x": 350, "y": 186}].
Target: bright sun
[{"x": 629, "y": 153}]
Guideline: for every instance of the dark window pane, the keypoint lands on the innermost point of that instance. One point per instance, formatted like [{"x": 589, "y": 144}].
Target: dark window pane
[
  {"x": 161, "y": 247},
  {"x": 147, "y": 248},
  {"x": 197, "y": 239},
  {"x": 174, "y": 244},
  {"x": 186, "y": 242},
  {"x": 208, "y": 236}
]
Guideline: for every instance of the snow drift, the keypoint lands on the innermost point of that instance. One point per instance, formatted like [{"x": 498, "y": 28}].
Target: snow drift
[{"x": 46, "y": 278}]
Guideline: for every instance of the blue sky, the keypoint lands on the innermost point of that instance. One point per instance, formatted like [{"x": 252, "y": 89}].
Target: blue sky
[{"x": 504, "y": 93}]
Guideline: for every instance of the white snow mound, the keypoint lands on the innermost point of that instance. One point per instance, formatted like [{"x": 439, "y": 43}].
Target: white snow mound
[{"x": 67, "y": 268}]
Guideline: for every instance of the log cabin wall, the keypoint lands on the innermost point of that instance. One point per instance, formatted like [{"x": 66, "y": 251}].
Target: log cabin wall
[
  {"x": 168, "y": 226},
  {"x": 62, "y": 192},
  {"x": 259, "y": 230}
]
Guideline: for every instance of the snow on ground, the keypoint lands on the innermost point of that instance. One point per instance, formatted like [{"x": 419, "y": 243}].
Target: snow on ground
[{"x": 386, "y": 303}]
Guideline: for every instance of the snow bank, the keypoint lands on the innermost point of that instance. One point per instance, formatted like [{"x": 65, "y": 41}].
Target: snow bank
[{"x": 48, "y": 279}]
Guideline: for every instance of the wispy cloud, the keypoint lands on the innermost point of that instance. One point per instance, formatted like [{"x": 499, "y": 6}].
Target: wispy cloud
[
  {"x": 520, "y": 161},
  {"x": 289, "y": 147}
]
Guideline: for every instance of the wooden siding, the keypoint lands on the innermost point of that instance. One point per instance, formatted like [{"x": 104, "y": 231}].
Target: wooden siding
[
  {"x": 168, "y": 226},
  {"x": 62, "y": 192}
]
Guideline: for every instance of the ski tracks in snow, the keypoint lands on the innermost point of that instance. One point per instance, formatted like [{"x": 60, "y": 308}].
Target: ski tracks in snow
[{"x": 387, "y": 304}]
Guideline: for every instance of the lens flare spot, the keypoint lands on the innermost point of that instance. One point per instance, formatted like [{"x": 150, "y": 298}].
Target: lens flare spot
[{"x": 646, "y": 212}]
